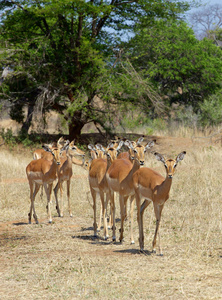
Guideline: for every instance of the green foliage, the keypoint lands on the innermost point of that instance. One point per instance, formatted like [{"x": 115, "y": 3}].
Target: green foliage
[
  {"x": 211, "y": 110},
  {"x": 8, "y": 137},
  {"x": 169, "y": 54},
  {"x": 65, "y": 48},
  {"x": 185, "y": 116}
]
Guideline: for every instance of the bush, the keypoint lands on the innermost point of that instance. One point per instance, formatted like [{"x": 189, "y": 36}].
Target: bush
[{"x": 211, "y": 110}]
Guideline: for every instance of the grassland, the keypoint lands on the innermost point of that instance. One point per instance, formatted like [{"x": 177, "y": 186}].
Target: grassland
[{"x": 63, "y": 260}]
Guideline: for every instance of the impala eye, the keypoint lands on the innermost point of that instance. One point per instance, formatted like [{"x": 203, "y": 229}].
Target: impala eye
[
  {"x": 165, "y": 166},
  {"x": 174, "y": 165}
]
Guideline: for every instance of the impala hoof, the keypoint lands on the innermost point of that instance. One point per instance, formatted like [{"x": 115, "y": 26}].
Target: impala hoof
[{"x": 132, "y": 242}]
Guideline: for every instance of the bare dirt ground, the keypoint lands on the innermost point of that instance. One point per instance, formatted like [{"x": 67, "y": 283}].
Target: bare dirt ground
[{"x": 63, "y": 260}]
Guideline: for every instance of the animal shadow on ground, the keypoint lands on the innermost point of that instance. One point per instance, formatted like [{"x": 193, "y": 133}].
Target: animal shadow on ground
[
  {"x": 20, "y": 223},
  {"x": 134, "y": 251},
  {"x": 94, "y": 239}
]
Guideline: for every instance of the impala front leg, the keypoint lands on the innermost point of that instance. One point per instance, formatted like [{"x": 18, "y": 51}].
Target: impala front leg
[
  {"x": 132, "y": 201},
  {"x": 158, "y": 210},
  {"x": 141, "y": 242},
  {"x": 56, "y": 197},
  {"x": 146, "y": 202}
]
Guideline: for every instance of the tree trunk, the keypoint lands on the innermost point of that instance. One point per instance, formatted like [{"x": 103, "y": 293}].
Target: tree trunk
[
  {"x": 26, "y": 125},
  {"x": 75, "y": 128}
]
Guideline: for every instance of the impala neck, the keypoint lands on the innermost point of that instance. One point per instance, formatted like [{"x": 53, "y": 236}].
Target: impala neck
[
  {"x": 136, "y": 166},
  {"x": 54, "y": 168},
  {"x": 164, "y": 188}
]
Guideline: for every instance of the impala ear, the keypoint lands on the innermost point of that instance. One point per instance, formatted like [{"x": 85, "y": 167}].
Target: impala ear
[
  {"x": 90, "y": 147},
  {"x": 100, "y": 147},
  {"x": 150, "y": 145},
  {"x": 139, "y": 141},
  {"x": 60, "y": 142},
  {"x": 110, "y": 145},
  {"x": 47, "y": 148},
  {"x": 180, "y": 156},
  {"x": 120, "y": 145},
  {"x": 159, "y": 157}
]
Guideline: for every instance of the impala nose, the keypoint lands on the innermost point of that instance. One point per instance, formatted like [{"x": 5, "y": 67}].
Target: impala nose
[{"x": 141, "y": 162}]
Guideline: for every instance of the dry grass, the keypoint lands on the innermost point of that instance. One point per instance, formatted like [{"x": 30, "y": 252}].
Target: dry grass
[{"x": 62, "y": 260}]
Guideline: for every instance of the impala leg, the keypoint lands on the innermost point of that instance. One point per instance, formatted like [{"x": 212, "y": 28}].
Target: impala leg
[
  {"x": 142, "y": 209},
  {"x": 100, "y": 217},
  {"x": 125, "y": 207},
  {"x": 37, "y": 187},
  {"x": 68, "y": 196},
  {"x": 113, "y": 209},
  {"x": 110, "y": 215},
  {"x": 56, "y": 197},
  {"x": 139, "y": 220},
  {"x": 93, "y": 193},
  {"x": 31, "y": 200},
  {"x": 61, "y": 197},
  {"x": 48, "y": 191},
  {"x": 132, "y": 201},
  {"x": 158, "y": 211},
  {"x": 122, "y": 214},
  {"x": 104, "y": 215}
]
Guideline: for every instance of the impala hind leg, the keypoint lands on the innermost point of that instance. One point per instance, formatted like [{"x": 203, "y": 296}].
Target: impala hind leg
[
  {"x": 68, "y": 196},
  {"x": 132, "y": 202},
  {"x": 48, "y": 191},
  {"x": 100, "y": 217},
  {"x": 32, "y": 198},
  {"x": 113, "y": 210},
  {"x": 104, "y": 206},
  {"x": 110, "y": 224},
  {"x": 93, "y": 193},
  {"x": 122, "y": 214}
]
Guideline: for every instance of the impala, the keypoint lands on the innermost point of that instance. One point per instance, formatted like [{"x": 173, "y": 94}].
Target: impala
[
  {"x": 98, "y": 183},
  {"x": 65, "y": 174},
  {"x": 42, "y": 172},
  {"x": 93, "y": 151},
  {"x": 119, "y": 179},
  {"x": 152, "y": 186},
  {"x": 41, "y": 153}
]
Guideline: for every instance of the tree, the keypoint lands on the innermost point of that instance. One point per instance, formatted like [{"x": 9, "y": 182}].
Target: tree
[
  {"x": 181, "y": 67},
  {"x": 60, "y": 52},
  {"x": 205, "y": 19}
]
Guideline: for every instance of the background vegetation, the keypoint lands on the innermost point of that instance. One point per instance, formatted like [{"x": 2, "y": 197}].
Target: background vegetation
[{"x": 97, "y": 62}]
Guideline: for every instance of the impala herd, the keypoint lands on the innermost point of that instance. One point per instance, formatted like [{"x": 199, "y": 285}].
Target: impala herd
[{"x": 109, "y": 171}]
